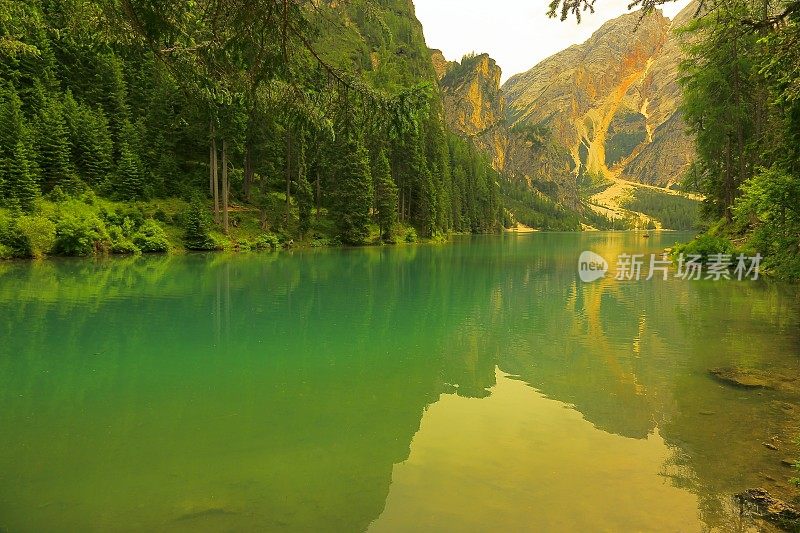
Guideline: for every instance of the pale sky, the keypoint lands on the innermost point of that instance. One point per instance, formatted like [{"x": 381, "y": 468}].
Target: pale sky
[{"x": 516, "y": 33}]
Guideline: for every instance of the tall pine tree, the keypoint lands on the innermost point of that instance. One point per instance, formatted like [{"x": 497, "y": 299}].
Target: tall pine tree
[
  {"x": 130, "y": 185},
  {"x": 385, "y": 196},
  {"x": 90, "y": 140},
  {"x": 18, "y": 186},
  {"x": 53, "y": 146},
  {"x": 352, "y": 196},
  {"x": 21, "y": 183}
]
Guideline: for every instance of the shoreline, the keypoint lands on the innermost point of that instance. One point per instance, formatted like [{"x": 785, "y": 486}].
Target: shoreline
[{"x": 305, "y": 245}]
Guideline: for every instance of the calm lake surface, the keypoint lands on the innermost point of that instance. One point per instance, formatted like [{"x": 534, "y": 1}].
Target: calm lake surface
[{"x": 473, "y": 386}]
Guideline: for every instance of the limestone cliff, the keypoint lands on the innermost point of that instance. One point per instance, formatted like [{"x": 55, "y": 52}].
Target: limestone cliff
[
  {"x": 603, "y": 109},
  {"x": 670, "y": 152},
  {"x": 474, "y": 106}
]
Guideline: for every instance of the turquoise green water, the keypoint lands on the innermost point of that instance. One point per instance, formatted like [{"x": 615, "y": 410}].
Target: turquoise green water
[{"x": 472, "y": 386}]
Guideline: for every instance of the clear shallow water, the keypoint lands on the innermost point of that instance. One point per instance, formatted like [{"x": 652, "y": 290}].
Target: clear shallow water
[{"x": 471, "y": 386}]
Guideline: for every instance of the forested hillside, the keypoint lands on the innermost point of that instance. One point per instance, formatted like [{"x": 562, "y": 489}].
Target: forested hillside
[
  {"x": 137, "y": 126},
  {"x": 741, "y": 85}
]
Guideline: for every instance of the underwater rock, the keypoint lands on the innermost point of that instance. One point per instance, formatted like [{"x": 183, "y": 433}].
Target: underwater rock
[
  {"x": 759, "y": 503},
  {"x": 746, "y": 378}
]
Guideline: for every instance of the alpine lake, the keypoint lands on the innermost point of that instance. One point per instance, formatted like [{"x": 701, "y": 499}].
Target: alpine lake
[{"x": 478, "y": 385}]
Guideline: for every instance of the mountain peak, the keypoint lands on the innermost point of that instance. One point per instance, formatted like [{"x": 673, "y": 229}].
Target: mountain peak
[{"x": 474, "y": 104}]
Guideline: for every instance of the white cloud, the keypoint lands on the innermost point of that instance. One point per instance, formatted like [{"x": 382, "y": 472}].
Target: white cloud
[{"x": 516, "y": 33}]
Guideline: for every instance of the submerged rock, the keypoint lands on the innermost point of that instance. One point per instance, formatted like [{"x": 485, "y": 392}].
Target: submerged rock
[
  {"x": 753, "y": 378},
  {"x": 759, "y": 503},
  {"x": 747, "y": 378}
]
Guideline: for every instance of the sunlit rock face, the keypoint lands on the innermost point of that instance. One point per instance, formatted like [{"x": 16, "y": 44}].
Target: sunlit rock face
[
  {"x": 670, "y": 152},
  {"x": 474, "y": 105},
  {"x": 603, "y": 109}
]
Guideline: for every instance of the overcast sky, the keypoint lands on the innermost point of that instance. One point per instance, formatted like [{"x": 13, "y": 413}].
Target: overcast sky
[{"x": 516, "y": 33}]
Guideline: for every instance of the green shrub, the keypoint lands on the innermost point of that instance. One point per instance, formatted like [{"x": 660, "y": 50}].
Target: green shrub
[
  {"x": 320, "y": 242},
  {"x": 58, "y": 194},
  {"x": 89, "y": 197},
  {"x": 151, "y": 237},
  {"x": 267, "y": 241},
  {"x": 26, "y": 235},
  {"x": 39, "y": 232},
  {"x": 80, "y": 232},
  {"x": 135, "y": 217},
  {"x": 705, "y": 245},
  {"x": 411, "y": 235},
  {"x": 14, "y": 242},
  {"x": 120, "y": 242}
]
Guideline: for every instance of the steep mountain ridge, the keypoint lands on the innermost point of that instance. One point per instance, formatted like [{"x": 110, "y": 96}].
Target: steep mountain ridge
[
  {"x": 604, "y": 109},
  {"x": 591, "y": 100}
]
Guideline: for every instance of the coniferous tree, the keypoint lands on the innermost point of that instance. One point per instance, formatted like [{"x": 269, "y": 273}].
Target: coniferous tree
[
  {"x": 385, "y": 196},
  {"x": 53, "y": 146},
  {"x": 130, "y": 185},
  {"x": 197, "y": 227},
  {"x": 12, "y": 122},
  {"x": 111, "y": 95},
  {"x": 90, "y": 139},
  {"x": 21, "y": 183},
  {"x": 426, "y": 212},
  {"x": 105, "y": 112},
  {"x": 18, "y": 187},
  {"x": 352, "y": 198},
  {"x": 10, "y": 135}
]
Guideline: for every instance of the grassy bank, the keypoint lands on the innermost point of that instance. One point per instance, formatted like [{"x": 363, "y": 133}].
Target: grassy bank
[{"x": 87, "y": 225}]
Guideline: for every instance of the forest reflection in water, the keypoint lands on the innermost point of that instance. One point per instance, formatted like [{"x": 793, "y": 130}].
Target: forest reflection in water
[{"x": 455, "y": 387}]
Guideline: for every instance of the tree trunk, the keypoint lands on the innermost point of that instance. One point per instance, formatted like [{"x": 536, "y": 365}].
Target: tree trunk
[
  {"x": 248, "y": 171},
  {"x": 288, "y": 173},
  {"x": 225, "y": 187},
  {"x": 319, "y": 194},
  {"x": 728, "y": 182},
  {"x": 739, "y": 126},
  {"x": 215, "y": 179},
  {"x": 211, "y": 162}
]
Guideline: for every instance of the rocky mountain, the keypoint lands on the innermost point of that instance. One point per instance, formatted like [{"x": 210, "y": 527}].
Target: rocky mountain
[
  {"x": 601, "y": 110},
  {"x": 606, "y": 108},
  {"x": 475, "y": 108},
  {"x": 670, "y": 150}
]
